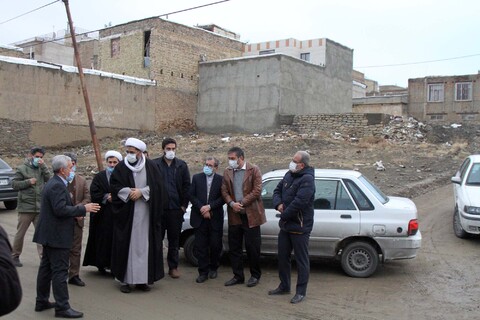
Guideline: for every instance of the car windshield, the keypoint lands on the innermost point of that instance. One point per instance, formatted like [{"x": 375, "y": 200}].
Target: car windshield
[
  {"x": 4, "y": 165},
  {"x": 374, "y": 189},
  {"x": 474, "y": 175}
]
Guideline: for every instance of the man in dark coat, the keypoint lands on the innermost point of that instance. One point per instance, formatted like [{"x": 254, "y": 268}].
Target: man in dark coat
[
  {"x": 137, "y": 202},
  {"x": 10, "y": 288},
  {"x": 55, "y": 233},
  {"x": 99, "y": 245},
  {"x": 293, "y": 198},
  {"x": 207, "y": 217}
]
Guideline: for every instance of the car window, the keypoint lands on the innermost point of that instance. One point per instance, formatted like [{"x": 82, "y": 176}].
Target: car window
[
  {"x": 374, "y": 189},
  {"x": 474, "y": 175},
  {"x": 267, "y": 192},
  {"x": 4, "y": 165},
  {"x": 463, "y": 168},
  {"x": 360, "y": 198},
  {"x": 331, "y": 195}
]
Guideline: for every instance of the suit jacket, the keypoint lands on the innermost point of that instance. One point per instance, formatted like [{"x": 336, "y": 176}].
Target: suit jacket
[
  {"x": 55, "y": 224},
  {"x": 10, "y": 288},
  {"x": 252, "y": 199},
  {"x": 198, "y": 198},
  {"x": 80, "y": 193}
]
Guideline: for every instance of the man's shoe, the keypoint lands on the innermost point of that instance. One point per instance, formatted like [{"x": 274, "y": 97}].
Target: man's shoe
[
  {"x": 201, "y": 278},
  {"x": 40, "y": 306},
  {"x": 174, "y": 273},
  {"x": 252, "y": 282},
  {"x": 233, "y": 282},
  {"x": 76, "y": 281},
  {"x": 143, "y": 287},
  {"x": 278, "y": 291},
  {"x": 212, "y": 274},
  {"x": 297, "y": 298},
  {"x": 126, "y": 288},
  {"x": 69, "y": 313},
  {"x": 17, "y": 263}
]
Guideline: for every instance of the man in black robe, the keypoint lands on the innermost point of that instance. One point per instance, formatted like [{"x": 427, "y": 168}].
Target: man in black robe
[
  {"x": 137, "y": 193},
  {"x": 99, "y": 246}
]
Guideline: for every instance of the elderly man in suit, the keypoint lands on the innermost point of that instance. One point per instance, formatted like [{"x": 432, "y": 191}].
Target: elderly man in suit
[
  {"x": 55, "y": 233},
  {"x": 206, "y": 217}
]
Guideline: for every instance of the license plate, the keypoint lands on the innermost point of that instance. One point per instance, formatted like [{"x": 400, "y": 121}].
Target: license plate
[{"x": 3, "y": 182}]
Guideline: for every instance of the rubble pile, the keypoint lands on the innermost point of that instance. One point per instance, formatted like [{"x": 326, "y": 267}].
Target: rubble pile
[{"x": 400, "y": 129}]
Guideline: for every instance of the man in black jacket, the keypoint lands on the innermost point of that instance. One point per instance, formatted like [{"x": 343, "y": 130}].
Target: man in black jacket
[
  {"x": 177, "y": 183},
  {"x": 293, "y": 198},
  {"x": 55, "y": 233},
  {"x": 10, "y": 288},
  {"x": 207, "y": 218}
]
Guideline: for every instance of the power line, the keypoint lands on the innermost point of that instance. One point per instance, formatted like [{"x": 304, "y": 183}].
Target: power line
[
  {"x": 418, "y": 62},
  {"x": 24, "y": 14}
]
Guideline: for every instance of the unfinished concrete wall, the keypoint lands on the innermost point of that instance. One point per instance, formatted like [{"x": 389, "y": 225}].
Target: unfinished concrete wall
[{"x": 393, "y": 105}]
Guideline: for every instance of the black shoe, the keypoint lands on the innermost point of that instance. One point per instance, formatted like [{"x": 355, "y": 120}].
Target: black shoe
[
  {"x": 201, "y": 278},
  {"x": 40, "y": 306},
  {"x": 76, "y": 281},
  {"x": 17, "y": 263},
  {"x": 297, "y": 298},
  {"x": 278, "y": 291},
  {"x": 212, "y": 274},
  {"x": 126, "y": 288},
  {"x": 233, "y": 282},
  {"x": 69, "y": 313},
  {"x": 143, "y": 287},
  {"x": 252, "y": 282}
]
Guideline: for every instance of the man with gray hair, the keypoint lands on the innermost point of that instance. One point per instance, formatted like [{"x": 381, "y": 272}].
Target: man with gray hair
[
  {"x": 55, "y": 233},
  {"x": 206, "y": 217},
  {"x": 293, "y": 198}
]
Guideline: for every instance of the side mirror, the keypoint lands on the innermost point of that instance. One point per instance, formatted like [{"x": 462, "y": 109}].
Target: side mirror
[{"x": 456, "y": 180}]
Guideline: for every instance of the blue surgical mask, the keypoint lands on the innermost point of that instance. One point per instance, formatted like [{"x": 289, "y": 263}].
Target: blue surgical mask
[
  {"x": 35, "y": 162},
  {"x": 110, "y": 169},
  {"x": 70, "y": 177},
  {"x": 74, "y": 168},
  {"x": 207, "y": 170}
]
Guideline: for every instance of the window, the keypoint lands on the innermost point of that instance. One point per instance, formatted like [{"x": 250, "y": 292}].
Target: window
[
  {"x": 115, "y": 47},
  {"x": 331, "y": 195},
  {"x": 463, "y": 91},
  {"x": 435, "y": 92},
  {"x": 474, "y": 175},
  {"x": 436, "y": 117},
  {"x": 305, "y": 56},
  {"x": 267, "y": 193},
  {"x": 266, "y": 51},
  {"x": 361, "y": 199},
  {"x": 468, "y": 116}
]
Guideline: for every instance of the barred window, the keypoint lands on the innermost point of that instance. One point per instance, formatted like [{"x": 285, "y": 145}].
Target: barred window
[
  {"x": 435, "y": 92},
  {"x": 463, "y": 91}
]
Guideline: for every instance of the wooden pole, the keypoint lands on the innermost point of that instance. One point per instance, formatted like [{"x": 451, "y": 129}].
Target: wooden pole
[{"x": 93, "y": 132}]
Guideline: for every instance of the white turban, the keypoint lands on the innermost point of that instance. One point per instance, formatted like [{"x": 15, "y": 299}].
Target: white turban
[
  {"x": 136, "y": 143},
  {"x": 113, "y": 153}
]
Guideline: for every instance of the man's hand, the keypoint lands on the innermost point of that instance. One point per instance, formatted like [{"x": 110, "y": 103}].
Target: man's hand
[
  {"x": 135, "y": 194},
  {"x": 33, "y": 181},
  {"x": 92, "y": 207},
  {"x": 280, "y": 208},
  {"x": 40, "y": 161},
  {"x": 207, "y": 215},
  {"x": 109, "y": 197},
  {"x": 237, "y": 207},
  {"x": 79, "y": 218},
  {"x": 204, "y": 209},
  {"x": 183, "y": 209}
]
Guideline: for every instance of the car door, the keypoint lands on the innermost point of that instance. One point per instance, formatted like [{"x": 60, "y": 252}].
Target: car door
[
  {"x": 458, "y": 188},
  {"x": 336, "y": 216}
]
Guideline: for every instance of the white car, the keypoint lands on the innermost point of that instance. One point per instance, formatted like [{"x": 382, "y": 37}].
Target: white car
[
  {"x": 353, "y": 222},
  {"x": 466, "y": 187}
]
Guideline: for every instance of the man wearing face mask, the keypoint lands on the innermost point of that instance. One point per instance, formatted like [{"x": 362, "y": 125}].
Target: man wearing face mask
[
  {"x": 206, "y": 217},
  {"x": 138, "y": 197},
  {"x": 293, "y": 198},
  {"x": 30, "y": 178},
  {"x": 241, "y": 190},
  {"x": 177, "y": 183},
  {"x": 55, "y": 232},
  {"x": 99, "y": 245},
  {"x": 77, "y": 186}
]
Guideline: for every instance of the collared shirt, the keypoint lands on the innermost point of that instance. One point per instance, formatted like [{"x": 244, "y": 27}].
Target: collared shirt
[
  {"x": 209, "y": 184},
  {"x": 64, "y": 180}
]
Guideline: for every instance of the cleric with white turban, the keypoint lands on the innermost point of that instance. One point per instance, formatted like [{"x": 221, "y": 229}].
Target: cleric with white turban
[
  {"x": 113, "y": 153},
  {"x": 136, "y": 143}
]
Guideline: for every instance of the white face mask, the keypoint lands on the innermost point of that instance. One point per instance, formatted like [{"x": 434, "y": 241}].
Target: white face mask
[
  {"x": 131, "y": 158},
  {"x": 170, "y": 155},
  {"x": 233, "y": 164},
  {"x": 292, "y": 166}
]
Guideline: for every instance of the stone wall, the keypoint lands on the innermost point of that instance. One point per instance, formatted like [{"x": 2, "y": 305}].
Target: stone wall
[{"x": 352, "y": 124}]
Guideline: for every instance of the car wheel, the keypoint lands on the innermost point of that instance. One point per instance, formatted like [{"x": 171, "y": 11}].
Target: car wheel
[
  {"x": 457, "y": 226},
  {"x": 359, "y": 259},
  {"x": 10, "y": 205},
  {"x": 189, "y": 250}
]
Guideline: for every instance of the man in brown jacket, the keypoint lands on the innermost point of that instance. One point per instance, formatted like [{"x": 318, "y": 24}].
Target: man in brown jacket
[
  {"x": 241, "y": 190},
  {"x": 80, "y": 193}
]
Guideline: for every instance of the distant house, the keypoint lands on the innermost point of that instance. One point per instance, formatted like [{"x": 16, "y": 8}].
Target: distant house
[
  {"x": 11, "y": 51},
  {"x": 445, "y": 98}
]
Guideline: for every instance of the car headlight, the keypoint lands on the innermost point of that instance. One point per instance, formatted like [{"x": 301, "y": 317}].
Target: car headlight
[{"x": 472, "y": 210}]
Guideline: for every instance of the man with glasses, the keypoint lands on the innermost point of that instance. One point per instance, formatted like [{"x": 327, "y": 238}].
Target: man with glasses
[{"x": 29, "y": 181}]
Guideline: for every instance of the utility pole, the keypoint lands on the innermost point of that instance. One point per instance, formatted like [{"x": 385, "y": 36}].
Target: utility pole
[{"x": 93, "y": 132}]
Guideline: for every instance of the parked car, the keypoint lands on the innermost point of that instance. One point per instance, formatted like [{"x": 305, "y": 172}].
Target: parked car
[
  {"x": 7, "y": 194},
  {"x": 354, "y": 222},
  {"x": 466, "y": 189}
]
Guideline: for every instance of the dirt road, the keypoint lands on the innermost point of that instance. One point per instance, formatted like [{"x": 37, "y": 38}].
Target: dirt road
[{"x": 441, "y": 283}]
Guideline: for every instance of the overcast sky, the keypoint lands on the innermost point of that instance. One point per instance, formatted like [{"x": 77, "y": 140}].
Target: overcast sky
[{"x": 381, "y": 32}]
